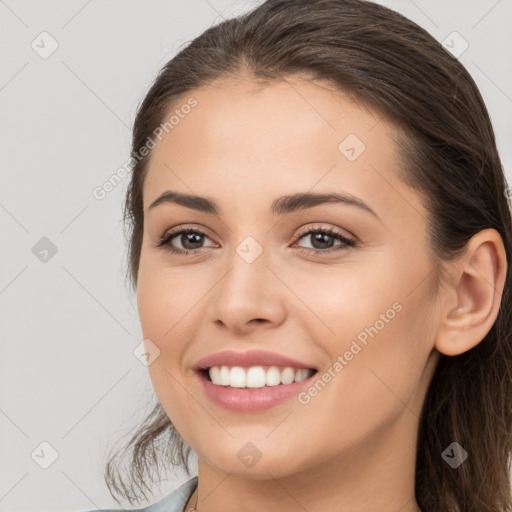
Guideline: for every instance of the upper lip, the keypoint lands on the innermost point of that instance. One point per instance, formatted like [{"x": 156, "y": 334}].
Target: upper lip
[{"x": 249, "y": 358}]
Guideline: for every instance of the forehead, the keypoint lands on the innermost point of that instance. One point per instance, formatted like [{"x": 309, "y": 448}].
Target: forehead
[{"x": 246, "y": 142}]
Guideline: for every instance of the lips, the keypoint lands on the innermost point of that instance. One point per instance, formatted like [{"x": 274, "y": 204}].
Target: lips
[{"x": 250, "y": 358}]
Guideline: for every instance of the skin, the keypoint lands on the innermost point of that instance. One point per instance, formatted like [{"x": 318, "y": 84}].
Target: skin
[{"x": 352, "y": 447}]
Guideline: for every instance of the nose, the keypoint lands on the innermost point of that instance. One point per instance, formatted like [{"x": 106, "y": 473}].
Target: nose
[{"x": 248, "y": 297}]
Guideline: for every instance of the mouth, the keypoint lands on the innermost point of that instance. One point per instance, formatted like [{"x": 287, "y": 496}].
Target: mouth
[
  {"x": 255, "y": 377},
  {"x": 253, "y": 389},
  {"x": 252, "y": 380}
]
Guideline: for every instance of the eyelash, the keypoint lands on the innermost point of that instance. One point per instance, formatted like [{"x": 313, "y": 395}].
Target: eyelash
[{"x": 165, "y": 241}]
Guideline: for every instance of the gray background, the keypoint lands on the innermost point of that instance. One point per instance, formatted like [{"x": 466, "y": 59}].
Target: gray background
[{"x": 69, "y": 325}]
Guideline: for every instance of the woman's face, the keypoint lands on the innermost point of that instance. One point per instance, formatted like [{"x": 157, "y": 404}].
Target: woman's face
[{"x": 360, "y": 312}]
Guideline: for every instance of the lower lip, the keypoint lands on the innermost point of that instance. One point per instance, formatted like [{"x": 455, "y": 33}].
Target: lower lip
[{"x": 251, "y": 399}]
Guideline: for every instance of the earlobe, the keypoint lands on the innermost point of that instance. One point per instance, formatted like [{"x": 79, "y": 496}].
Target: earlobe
[{"x": 476, "y": 290}]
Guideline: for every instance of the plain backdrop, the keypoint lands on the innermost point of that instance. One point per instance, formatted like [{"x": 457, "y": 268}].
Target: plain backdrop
[{"x": 69, "y": 325}]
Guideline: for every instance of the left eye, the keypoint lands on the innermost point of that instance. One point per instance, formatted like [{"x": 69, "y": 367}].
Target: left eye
[
  {"x": 324, "y": 239},
  {"x": 192, "y": 239}
]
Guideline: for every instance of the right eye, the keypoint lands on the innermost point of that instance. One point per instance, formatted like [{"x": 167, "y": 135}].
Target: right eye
[{"x": 189, "y": 239}]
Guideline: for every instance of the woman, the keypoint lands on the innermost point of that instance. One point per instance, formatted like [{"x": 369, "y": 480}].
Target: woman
[{"x": 320, "y": 241}]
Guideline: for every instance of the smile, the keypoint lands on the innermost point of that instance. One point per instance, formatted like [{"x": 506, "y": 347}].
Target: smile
[
  {"x": 256, "y": 376},
  {"x": 243, "y": 398}
]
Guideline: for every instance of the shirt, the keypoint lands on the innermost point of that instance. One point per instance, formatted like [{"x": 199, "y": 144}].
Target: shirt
[{"x": 174, "y": 502}]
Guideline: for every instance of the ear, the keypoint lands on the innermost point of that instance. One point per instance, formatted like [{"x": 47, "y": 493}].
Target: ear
[{"x": 473, "y": 297}]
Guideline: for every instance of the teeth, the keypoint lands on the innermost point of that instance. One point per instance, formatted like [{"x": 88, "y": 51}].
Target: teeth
[{"x": 256, "y": 376}]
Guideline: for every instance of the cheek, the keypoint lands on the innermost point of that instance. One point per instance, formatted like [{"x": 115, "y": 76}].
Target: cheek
[
  {"x": 159, "y": 318},
  {"x": 380, "y": 334},
  {"x": 165, "y": 295},
  {"x": 378, "y": 383},
  {"x": 159, "y": 313},
  {"x": 169, "y": 300}
]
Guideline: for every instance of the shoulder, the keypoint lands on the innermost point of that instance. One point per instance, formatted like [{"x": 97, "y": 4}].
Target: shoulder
[{"x": 174, "y": 502}]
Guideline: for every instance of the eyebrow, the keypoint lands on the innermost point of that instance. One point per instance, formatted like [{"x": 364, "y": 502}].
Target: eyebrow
[{"x": 280, "y": 206}]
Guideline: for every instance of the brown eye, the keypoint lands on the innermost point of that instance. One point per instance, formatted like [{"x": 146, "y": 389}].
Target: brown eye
[
  {"x": 323, "y": 240},
  {"x": 190, "y": 239}
]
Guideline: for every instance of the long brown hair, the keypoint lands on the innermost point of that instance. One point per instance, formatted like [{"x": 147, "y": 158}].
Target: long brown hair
[{"x": 448, "y": 149}]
